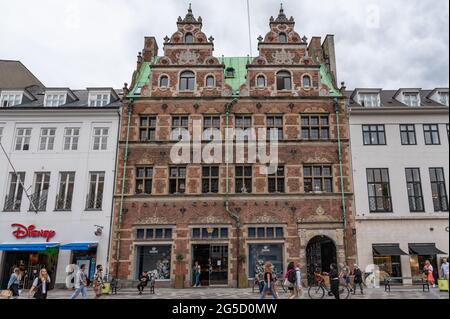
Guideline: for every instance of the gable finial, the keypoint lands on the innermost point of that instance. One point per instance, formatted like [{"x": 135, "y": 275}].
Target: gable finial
[
  {"x": 281, "y": 7},
  {"x": 190, "y": 8}
]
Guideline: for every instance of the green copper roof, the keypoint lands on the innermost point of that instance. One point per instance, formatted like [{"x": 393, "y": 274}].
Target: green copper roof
[
  {"x": 239, "y": 64},
  {"x": 327, "y": 80}
]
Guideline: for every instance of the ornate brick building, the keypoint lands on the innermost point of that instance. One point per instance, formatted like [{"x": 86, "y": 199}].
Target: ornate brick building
[{"x": 228, "y": 216}]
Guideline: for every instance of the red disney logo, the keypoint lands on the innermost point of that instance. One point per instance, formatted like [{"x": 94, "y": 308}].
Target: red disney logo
[{"x": 30, "y": 231}]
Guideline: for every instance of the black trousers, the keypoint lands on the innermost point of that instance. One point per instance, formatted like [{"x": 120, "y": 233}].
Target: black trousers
[
  {"x": 15, "y": 290},
  {"x": 141, "y": 287},
  {"x": 335, "y": 288}
]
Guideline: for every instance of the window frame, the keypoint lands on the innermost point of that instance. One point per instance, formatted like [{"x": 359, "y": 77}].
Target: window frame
[
  {"x": 67, "y": 183},
  {"x": 41, "y": 187},
  {"x": 244, "y": 179},
  {"x": 277, "y": 180},
  {"x": 320, "y": 127},
  {"x": 442, "y": 190},
  {"x": 282, "y": 77},
  {"x": 187, "y": 83},
  {"x": 312, "y": 178},
  {"x": 100, "y": 141},
  {"x": 161, "y": 78},
  {"x": 274, "y": 126},
  {"x": 309, "y": 77},
  {"x": 430, "y": 131},
  {"x": 96, "y": 197},
  {"x": 144, "y": 179},
  {"x": 190, "y": 36},
  {"x": 374, "y": 184},
  {"x": 16, "y": 193},
  {"x": 283, "y": 38},
  {"x": 178, "y": 128},
  {"x": 46, "y": 138},
  {"x": 179, "y": 179},
  {"x": 377, "y": 131},
  {"x": 209, "y": 77},
  {"x": 263, "y": 77},
  {"x": 25, "y": 139},
  {"x": 210, "y": 178},
  {"x": 148, "y": 129},
  {"x": 55, "y": 102},
  {"x": 5, "y": 96},
  {"x": 406, "y": 129},
  {"x": 374, "y": 100},
  {"x": 99, "y": 98},
  {"x": 406, "y": 98},
  {"x": 74, "y": 139},
  {"x": 416, "y": 185}
]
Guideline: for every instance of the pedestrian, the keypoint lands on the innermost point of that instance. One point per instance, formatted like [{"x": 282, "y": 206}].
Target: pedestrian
[
  {"x": 334, "y": 280},
  {"x": 13, "y": 284},
  {"x": 345, "y": 274},
  {"x": 298, "y": 283},
  {"x": 445, "y": 270},
  {"x": 80, "y": 283},
  {"x": 290, "y": 279},
  {"x": 114, "y": 286},
  {"x": 197, "y": 273},
  {"x": 143, "y": 282},
  {"x": 98, "y": 282},
  {"x": 269, "y": 279},
  {"x": 260, "y": 278},
  {"x": 428, "y": 272},
  {"x": 41, "y": 285},
  {"x": 357, "y": 279}
]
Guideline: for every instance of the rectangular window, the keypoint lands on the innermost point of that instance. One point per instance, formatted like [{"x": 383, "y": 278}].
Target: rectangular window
[
  {"x": 315, "y": 127},
  {"x": 374, "y": 135},
  {"x": 40, "y": 192},
  {"x": 210, "y": 180},
  {"x": 243, "y": 123},
  {"x": 244, "y": 177},
  {"x": 147, "y": 128},
  {"x": 156, "y": 260},
  {"x": 369, "y": 99},
  {"x": 276, "y": 181},
  {"x": 47, "y": 140},
  {"x": 1, "y": 133},
  {"x": 71, "y": 137},
  {"x": 210, "y": 233},
  {"x": 444, "y": 98},
  {"x": 96, "y": 187},
  {"x": 408, "y": 134},
  {"x": 144, "y": 180},
  {"x": 438, "y": 189},
  {"x": 23, "y": 139},
  {"x": 100, "y": 138},
  {"x": 180, "y": 125},
  {"x": 98, "y": 100},
  {"x": 379, "y": 190},
  {"x": 154, "y": 233},
  {"x": 177, "y": 180},
  {"x": 274, "y": 125},
  {"x": 65, "y": 192},
  {"x": 211, "y": 123},
  {"x": 259, "y": 254},
  {"x": 411, "y": 99},
  {"x": 318, "y": 179},
  {"x": 9, "y": 99},
  {"x": 55, "y": 100},
  {"x": 431, "y": 132},
  {"x": 265, "y": 232},
  {"x": 414, "y": 187},
  {"x": 13, "y": 200}
]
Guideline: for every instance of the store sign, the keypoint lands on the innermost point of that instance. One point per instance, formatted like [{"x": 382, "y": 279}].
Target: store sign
[{"x": 22, "y": 232}]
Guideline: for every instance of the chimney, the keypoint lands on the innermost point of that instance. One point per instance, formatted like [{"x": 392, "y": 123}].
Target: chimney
[
  {"x": 315, "y": 49},
  {"x": 329, "y": 53},
  {"x": 150, "y": 49}
]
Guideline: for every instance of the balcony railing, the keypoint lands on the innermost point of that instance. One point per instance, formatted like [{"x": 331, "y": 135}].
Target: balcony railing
[{"x": 12, "y": 204}]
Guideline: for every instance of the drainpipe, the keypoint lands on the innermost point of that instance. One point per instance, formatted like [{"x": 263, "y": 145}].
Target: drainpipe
[
  {"x": 122, "y": 195},
  {"x": 341, "y": 170},
  {"x": 233, "y": 215}
]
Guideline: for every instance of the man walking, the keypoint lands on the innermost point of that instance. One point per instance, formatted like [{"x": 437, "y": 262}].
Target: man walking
[
  {"x": 80, "y": 283},
  {"x": 445, "y": 270}
]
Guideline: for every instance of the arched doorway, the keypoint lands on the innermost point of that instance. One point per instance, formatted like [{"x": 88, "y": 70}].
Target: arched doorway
[{"x": 320, "y": 253}]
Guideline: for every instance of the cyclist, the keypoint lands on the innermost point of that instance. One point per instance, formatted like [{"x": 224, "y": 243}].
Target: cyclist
[{"x": 334, "y": 280}]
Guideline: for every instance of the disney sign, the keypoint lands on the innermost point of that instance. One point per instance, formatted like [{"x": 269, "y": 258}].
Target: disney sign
[{"x": 31, "y": 232}]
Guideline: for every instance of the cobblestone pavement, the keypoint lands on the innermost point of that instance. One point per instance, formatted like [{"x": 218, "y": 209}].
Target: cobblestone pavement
[{"x": 228, "y": 293}]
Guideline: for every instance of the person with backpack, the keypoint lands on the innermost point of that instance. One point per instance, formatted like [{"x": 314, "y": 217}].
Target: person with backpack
[
  {"x": 290, "y": 279},
  {"x": 358, "y": 279},
  {"x": 41, "y": 285},
  {"x": 80, "y": 283},
  {"x": 298, "y": 283}
]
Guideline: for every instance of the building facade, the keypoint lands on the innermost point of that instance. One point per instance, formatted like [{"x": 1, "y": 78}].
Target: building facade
[
  {"x": 226, "y": 214},
  {"x": 57, "y": 171},
  {"x": 399, "y": 144}
]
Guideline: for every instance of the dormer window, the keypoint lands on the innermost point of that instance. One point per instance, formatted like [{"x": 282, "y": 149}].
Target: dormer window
[
  {"x": 411, "y": 99},
  {"x": 282, "y": 38},
  {"x": 55, "y": 99},
  {"x": 188, "y": 38},
  {"x": 369, "y": 99},
  {"x": 11, "y": 98},
  {"x": 444, "y": 98},
  {"x": 98, "y": 99},
  {"x": 164, "y": 81},
  {"x": 230, "y": 73}
]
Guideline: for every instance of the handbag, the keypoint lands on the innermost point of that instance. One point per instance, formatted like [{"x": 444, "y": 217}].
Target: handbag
[
  {"x": 288, "y": 284},
  {"x": 5, "y": 294}
]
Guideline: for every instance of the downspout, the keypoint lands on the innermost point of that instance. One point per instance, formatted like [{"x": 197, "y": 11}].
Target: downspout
[
  {"x": 122, "y": 195},
  {"x": 341, "y": 170},
  {"x": 233, "y": 215}
]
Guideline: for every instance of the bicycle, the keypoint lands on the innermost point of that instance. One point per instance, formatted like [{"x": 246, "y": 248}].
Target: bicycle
[{"x": 319, "y": 290}]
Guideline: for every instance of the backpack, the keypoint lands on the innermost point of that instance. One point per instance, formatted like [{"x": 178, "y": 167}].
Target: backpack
[{"x": 292, "y": 276}]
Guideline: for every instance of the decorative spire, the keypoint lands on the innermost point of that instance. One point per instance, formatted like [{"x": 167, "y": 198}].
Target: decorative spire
[
  {"x": 190, "y": 17},
  {"x": 282, "y": 18}
]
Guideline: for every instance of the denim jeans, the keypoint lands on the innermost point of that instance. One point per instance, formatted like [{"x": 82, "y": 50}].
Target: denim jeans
[
  {"x": 266, "y": 289},
  {"x": 197, "y": 279},
  {"x": 82, "y": 290}
]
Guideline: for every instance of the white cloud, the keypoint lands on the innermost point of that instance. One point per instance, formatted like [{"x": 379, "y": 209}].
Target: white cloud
[{"x": 81, "y": 43}]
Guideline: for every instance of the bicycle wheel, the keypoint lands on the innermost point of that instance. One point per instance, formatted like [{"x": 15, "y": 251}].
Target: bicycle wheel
[
  {"x": 344, "y": 292},
  {"x": 316, "y": 292}
]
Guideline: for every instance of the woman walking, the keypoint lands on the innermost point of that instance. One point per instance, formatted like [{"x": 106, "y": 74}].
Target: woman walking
[
  {"x": 41, "y": 285},
  {"x": 197, "y": 272},
  {"x": 269, "y": 281},
  {"x": 290, "y": 279},
  {"x": 334, "y": 280},
  {"x": 428, "y": 272},
  {"x": 98, "y": 282},
  {"x": 13, "y": 284},
  {"x": 357, "y": 279}
]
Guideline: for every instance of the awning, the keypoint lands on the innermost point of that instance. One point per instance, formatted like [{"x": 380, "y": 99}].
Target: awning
[
  {"x": 28, "y": 246},
  {"x": 425, "y": 250},
  {"x": 79, "y": 246},
  {"x": 388, "y": 250}
]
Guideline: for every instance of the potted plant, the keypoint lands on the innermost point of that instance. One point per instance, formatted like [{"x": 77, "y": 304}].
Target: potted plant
[
  {"x": 243, "y": 279},
  {"x": 179, "y": 272}
]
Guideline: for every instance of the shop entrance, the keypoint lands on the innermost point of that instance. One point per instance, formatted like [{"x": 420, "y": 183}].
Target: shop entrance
[
  {"x": 213, "y": 260},
  {"x": 30, "y": 263},
  {"x": 320, "y": 254}
]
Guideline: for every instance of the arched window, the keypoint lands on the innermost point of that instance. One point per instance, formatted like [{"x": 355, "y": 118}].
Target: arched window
[
  {"x": 307, "y": 81},
  {"x": 284, "y": 81},
  {"x": 210, "y": 81},
  {"x": 261, "y": 81},
  {"x": 187, "y": 81},
  {"x": 189, "y": 38},
  {"x": 282, "y": 38},
  {"x": 164, "y": 81}
]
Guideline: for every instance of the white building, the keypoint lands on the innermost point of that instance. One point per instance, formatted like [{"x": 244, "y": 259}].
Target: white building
[
  {"x": 62, "y": 145},
  {"x": 400, "y": 154}
]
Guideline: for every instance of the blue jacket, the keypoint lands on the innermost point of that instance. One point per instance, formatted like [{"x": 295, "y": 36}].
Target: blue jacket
[{"x": 13, "y": 280}]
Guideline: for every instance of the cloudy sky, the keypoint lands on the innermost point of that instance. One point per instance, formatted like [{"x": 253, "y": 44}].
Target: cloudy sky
[{"x": 84, "y": 43}]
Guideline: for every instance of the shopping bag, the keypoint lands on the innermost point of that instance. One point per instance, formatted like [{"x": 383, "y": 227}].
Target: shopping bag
[
  {"x": 443, "y": 285},
  {"x": 5, "y": 294},
  {"x": 106, "y": 288}
]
